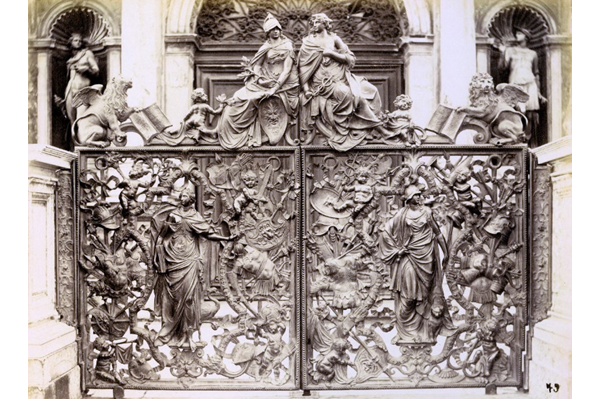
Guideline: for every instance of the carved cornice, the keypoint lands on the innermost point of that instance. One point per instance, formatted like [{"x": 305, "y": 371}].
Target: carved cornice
[
  {"x": 182, "y": 40},
  {"x": 50, "y": 156},
  {"x": 41, "y": 188}
]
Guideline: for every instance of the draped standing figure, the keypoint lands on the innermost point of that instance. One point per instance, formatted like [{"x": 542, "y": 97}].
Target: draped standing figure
[
  {"x": 410, "y": 245},
  {"x": 179, "y": 259}
]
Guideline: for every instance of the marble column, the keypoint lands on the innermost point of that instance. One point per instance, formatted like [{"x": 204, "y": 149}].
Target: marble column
[
  {"x": 142, "y": 50},
  {"x": 113, "y": 57},
  {"x": 483, "y": 54},
  {"x": 43, "y": 56},
  {"x": 420, "y": 78},
  {"x": 555, "y": 111},
  {"x": 454, "y": 24},
  {"x": 552, "y": 337},
  {"x": 179, "y": 75},
  {"x": 53, "y": 371}
]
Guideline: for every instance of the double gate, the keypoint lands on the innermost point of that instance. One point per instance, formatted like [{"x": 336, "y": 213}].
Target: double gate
[{"x": 285, "y": 268}]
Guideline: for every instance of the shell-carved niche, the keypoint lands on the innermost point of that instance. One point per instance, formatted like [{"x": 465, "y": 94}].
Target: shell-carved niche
[
  {"x": 91, "y": 25},
  {"x": 502, "y": 28},
  {"x": 93, "y": 28},
  {"x": 504, "y": 24},
  {"x": 357, "y": 22}
]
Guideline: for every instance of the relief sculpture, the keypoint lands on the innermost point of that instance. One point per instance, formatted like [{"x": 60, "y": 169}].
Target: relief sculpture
[
  {"x": 359, "y": 254},
  {"x": 189, "y": 263},
  {"x": 261, "y": 111},
  {"x": 414, "y": 267},
  {"x": 338, "y": 104}
]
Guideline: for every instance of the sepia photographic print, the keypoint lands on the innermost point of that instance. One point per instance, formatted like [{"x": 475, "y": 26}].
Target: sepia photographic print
[{"x": 299, "y": 198}]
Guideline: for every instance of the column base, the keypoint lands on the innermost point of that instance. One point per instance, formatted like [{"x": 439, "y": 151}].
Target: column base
[
  {"x": 551, "y": 362},
  {"x": 52, "y": 361}
]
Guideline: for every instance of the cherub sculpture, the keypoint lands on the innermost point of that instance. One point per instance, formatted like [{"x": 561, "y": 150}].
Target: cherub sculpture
[
  {"x": 327, "y": 366},
  {"x": 270, "y": 325},
  {"x": 249, "y": 193},
  {"x": 397, "y": 126},
  {"x": 195, "y": 123},
  {"x": 491, "y": 362},
  {"x": 497, "y": 109},
  {"x": 168, "y": 175},
  {"x": 130, "y": 186},
  {"x": 363, "y": 193},
  {"x": 98, "y": 119}
]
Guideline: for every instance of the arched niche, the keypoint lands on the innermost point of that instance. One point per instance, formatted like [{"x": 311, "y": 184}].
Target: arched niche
[
  {"x": 98, "y": 23},
  {"x": 182, "y": 16},
  {"x": 496, "y": 22}
]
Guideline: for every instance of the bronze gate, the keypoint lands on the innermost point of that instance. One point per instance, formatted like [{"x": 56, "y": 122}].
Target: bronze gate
[
  {"x": 308, "y": 241},
  {"x": 285, "y": 268}
]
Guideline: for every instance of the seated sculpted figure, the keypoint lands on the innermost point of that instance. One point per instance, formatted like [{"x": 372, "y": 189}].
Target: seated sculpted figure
[
  {"x": 271, "y": 79},
  {"x": 339, "y": 104}
]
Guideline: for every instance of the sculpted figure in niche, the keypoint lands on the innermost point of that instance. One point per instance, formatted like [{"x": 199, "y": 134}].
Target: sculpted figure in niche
[
  {"x": 80, "y": 67},
  {"x": 179, "y": 259},
  {"x": 522, "y": 64},
  {"x": 261, "y": 111},
  {"x": 339, "y": 104},
  {"x": 409, "y": 245}
]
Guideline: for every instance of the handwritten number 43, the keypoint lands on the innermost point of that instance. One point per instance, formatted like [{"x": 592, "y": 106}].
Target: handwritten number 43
[{"x": 551, "y": 387}]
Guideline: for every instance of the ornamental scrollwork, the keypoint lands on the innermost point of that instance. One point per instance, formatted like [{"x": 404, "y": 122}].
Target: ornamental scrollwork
[
  {"x": 240, "y": 21},
  {"x": 65, "y": 269},
  {"x": 415, "y": 267},
  {"x": 189, "y": 263}
]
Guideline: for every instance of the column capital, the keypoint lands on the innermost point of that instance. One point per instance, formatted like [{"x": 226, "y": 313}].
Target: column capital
[
  {"x": 555, "y": 150},
  {"x": 50, "y": 156},
  {"x": 182, "y": 40}
]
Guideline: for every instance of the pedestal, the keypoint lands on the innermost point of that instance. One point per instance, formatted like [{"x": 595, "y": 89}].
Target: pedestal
[
  {"x": 52, "y": 349},
  {"x": 551, "y": 363}
]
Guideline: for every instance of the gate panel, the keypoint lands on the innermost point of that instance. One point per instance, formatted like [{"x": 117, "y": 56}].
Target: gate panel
[
  {"x": 415, "y": 267},
  {"x": 188, "y": 268}
]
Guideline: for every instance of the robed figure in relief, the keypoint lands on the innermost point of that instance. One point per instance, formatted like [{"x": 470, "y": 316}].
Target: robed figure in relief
[
  {"x": 410, "y": 244},
  {"x": 179, "y": 259},
  {"x": 339, "y": 104},
  {"x": 262, "y": 110}
]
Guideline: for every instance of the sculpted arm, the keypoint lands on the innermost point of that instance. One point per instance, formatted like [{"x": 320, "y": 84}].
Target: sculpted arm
[
  {"x": 90, "y": 65},
  {"x": 440, "y": 239},
  {"x": 342, "y": 55},
  {"x": 288, "y": 64}
]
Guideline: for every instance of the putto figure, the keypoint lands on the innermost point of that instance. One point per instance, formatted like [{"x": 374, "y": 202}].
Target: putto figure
[
  {"x": 397, "y": 125},
  {"x": 195, "y": 123},
  {"x": 339, "y": 104},
  {"x": 179, "y": 259},
  {"x": 261, "y": 111},
  {"x": 409, "y": 245}
]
